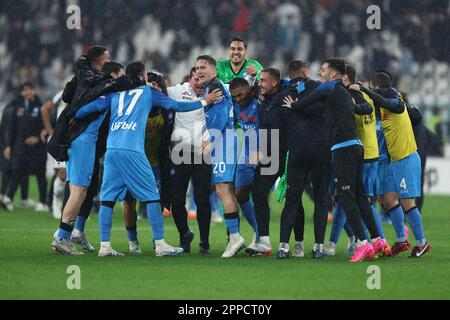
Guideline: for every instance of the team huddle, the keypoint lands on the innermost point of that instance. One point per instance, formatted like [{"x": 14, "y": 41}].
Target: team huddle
[{"x": 232, "y": 130}]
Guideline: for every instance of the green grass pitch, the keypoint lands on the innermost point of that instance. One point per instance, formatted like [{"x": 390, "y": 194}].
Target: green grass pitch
[{"x": 29, "y": 269}]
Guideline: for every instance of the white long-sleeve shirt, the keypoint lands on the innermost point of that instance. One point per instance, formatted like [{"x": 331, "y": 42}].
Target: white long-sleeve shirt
[{"x": 189, "y": 127}]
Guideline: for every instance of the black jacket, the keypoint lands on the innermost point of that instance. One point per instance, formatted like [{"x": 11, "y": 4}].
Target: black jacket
[
  {"x": 7, "y": 116},
  {"x": 307, "y": 126},
  {"x": 87, "y": 85},
  {"x": 272, "y": 116},
  {"x": 22, "y": 123},
  {"x": 339, "y": 108}
]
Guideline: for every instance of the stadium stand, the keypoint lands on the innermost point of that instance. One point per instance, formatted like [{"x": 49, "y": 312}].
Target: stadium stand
[{"x": 36, "y": 45}]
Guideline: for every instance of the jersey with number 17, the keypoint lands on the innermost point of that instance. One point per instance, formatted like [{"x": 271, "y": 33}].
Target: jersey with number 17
[{"x": 129, "y": 113}]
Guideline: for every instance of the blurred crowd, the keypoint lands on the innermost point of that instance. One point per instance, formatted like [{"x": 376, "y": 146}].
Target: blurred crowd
[{"x": 36, "y": 45}]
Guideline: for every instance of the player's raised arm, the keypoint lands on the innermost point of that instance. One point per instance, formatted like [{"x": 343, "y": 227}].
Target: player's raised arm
[
  {"x": 322, "y": 90},
  {"x": 362, "y": 107},
  {"x": 393, "y": 105},
  {"x": 99, "y": 105},
  {"x": 164, "y": 101}
]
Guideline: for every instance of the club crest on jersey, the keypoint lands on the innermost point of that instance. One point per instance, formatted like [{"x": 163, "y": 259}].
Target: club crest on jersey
[
  {"x": 35, "y": 112},
  {"x": 123, "y": 125},
  {"x": 20, "y": 111}
]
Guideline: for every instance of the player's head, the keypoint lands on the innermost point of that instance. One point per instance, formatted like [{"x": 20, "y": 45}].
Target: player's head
[
  {"x": 381, "y": 80},
  {"x": 298, "y": 69},
  {"x": 349, "y": 76},
  {"x": 269, "y": 81},
  {"x": 332, "y": 69},
  {"x": 237, "y": 50},
  {"x": 206, "y": 68},
  {"x": 28, "y": 91},
  {"x": 98, "y": 56},
  {"x": 113, "y": 69},
  {"x": 137, "y": 70},
  {"x": 241, "y": 92},
  {"x": 195, "y": 82},
  {"x": 156, "y": 81}
]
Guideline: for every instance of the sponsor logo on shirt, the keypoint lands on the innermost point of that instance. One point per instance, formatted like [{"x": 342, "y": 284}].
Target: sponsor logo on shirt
[{"x": 123, "y": 125}]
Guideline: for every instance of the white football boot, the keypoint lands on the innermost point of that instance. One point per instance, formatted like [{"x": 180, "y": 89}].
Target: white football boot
[
  {"x": 235, "y": 244},
  {"x": 164, "y": 249},
  {"x": 299, "y": 249},
  {"x": 134, "y": 247}
]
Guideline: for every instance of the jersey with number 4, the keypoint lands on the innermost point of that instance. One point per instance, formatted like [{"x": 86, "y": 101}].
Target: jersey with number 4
[{"x": 129, "y": 113}]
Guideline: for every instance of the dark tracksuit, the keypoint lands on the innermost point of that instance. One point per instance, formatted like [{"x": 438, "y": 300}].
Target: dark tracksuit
[
  {"x": 308, "y": 141},
  {"x": 6, "y": 165},
  {"x": 26, "y": 159},
  {"x": 272, "y": 117},
  {"x": 347, "y": 160}
]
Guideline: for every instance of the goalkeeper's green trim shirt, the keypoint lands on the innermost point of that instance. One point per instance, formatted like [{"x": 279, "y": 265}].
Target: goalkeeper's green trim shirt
[{"x": 225, "y": 73}]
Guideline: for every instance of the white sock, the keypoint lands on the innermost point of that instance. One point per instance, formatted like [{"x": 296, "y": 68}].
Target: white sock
[
  {"x": 361, "y": 243},
  {"x": 265, "y": 240},
  {"x": 284, "y": 245},
  {"x": 235, "y": 236},
  {"x": 77, "y": 232},
  {"x": 105, "y": 245},
  {"x": 421, "y": 243},
  {"x": 159, "y": 242}
]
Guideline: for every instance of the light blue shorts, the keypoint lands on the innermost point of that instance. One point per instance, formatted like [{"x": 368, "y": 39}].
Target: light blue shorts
[
  {"x": 128, "y": 171},
  {"x": 80, "y": 165}
]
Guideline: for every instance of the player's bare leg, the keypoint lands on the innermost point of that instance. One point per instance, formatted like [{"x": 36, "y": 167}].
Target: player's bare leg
[{"x": 62, "y": 243}]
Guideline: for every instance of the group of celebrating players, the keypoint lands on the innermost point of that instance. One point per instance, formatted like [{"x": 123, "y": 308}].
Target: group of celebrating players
[{"x": 235, "y": 128}]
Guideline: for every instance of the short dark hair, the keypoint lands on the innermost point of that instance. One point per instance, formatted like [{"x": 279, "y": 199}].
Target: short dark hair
[
  {"x": 296, "y": 66},
  {"x": 207, "y": 58},
  {"x": 275, "y": 73},
  {"x": 135, "y": 69},
  {"x": 385, "y": 72},
  {"x": 94, "y": 53},
  {"x": 26, "y": 85},
  {"x": 238, "y": 39},
  {"x": 191, "y": 73},
  {"x": 350, "y": 71},
  {"x": 382, "y": 80},
  {"x": 337, "y": 64},
  {"x": 112, "y": 67},
  {"x": 238, "y": 83}
]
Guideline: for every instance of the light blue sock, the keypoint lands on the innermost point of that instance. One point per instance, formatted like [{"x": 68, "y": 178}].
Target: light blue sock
[
  {"x": 232, "y": 223},
  {"x": 105, "y": 223},
  {"x": 364, "y": 229},
  {"x": 376, "y": 216},
  {"x": 155, "y": 218},
  {"x": 339, "y": 220},
  {"x": 342, "y": 222},
  {"x": 415, "y": 221},
  {"x": 348, "y": 230},
  {"x": 385, "y": 216},
  {"x": 248, "y": 210},
  {"x": 63, "y": 234},
  {"x": 132, "y": 234},
  {"x": 79, "y": 223},
  {"x": 398, "y": 222}
]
